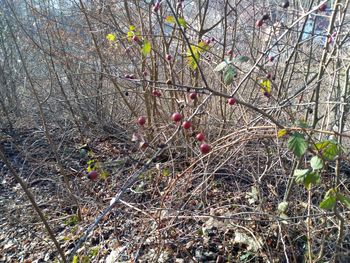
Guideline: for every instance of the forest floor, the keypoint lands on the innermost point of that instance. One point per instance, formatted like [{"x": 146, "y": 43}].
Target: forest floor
[{"x": 221, "y": 216}]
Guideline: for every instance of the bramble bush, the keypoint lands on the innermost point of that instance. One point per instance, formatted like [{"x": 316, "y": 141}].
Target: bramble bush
[{"x": 230, "y": 116}]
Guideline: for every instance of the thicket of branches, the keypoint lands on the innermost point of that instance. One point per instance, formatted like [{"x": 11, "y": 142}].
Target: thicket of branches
[{"x": 266, "y": 82}]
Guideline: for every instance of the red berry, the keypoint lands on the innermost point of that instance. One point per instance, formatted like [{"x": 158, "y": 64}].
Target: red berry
[
  {"x": 92, "y": 175},
  {"x": 176, "y": 117},
  {"x": 135, "y": 39},
  {"x": 323, "y": 7},
  {"x": 212, "y": 39},
  {"x": 259, "y": 23},
  {"x": 267, "y": 94},
  {"x": 142, "y": 120},
  {"x": 271, "y": 58},
  {"x": 230, "y": 52},
  {"x": 193, "y": 95},
  {"x": 186, "y": 125},
  {"x": 156, "y": 93},
  {"x": 268, "y": 75},
  {"x": 145, "y": 73},
  {"x": 168, "y": 57},
  {"x": 127, "y": 76},
  {"x": 156, "y": 7},
  {"x": 200, "y": 137},
  {"x": 143, "y": 145},
  {"x": 205, "y": 148},
  {"x": 231, "y": 101}
]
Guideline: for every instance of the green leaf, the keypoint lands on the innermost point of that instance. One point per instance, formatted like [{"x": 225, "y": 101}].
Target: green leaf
[
  {"x": 316, "y": 163},
  {"x": 329, "y": 149},
  {"x": 306, "y": 177},
  {"x": 94, "y": 252},
  {"x": 243, "y": 58},
  {"x": 146, "y": 48},
  {"x": 131, "y": 28},
  {"x": 182, "y": 22},
  {"x": 311, "y": 178},
  {"x": 221, "y": 66},
  {"x": 329, "y": 200},
  {"x": 297, "y": 144},
  {"x": 71, "y": 221},
  {"x": 344, "y": 200},
  {"x": 282, "y": 207},
  {"x": 229, "y": 74},
  {"x": 300, "y": 175},
  {"x": 328, "y": 203},
  {"x": 302, "y": 124}
]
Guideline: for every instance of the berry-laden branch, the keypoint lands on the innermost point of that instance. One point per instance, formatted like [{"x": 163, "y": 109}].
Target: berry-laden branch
[
  {"x": 129, "y": 183},
  {"x": 206, "y": 85}
]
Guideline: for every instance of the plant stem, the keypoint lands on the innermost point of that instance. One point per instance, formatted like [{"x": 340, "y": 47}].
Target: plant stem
[{"x": 33, "y": 202}]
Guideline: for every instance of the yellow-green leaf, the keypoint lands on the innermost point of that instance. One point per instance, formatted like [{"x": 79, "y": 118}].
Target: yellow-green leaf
[
  {"x": 104, "y": 174},
  {"x": 203, "y": 46},
  {"x": 266, "y": 86},
  {"x": 329, "y": 149},
  {"x": 146, "y": 48},
  {"x": 131, "y": 28},
  {"x": 170, "y": 19},
  {"x": 182, "y": 22},
  {"x": 281, "y": 133},
  {"x": 192, "y": 59},
  {"x": 130, "y": 35},
  {"x": 166, "y": 172},
  {"x": 111, "y": 37}
]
